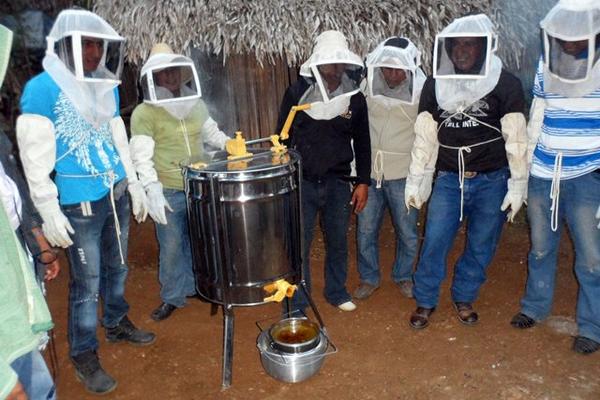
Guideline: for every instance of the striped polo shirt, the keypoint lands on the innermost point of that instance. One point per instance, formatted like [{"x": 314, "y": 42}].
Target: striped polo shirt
[{"x": 571, "y": 127}]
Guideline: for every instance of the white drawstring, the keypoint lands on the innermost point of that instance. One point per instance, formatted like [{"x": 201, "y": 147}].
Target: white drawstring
[
  {"x": 116, "y": 217},
  {"x": 185, "y": 137},
  {"x": 461, "y": 176},
  {"x": 378, "y": 165},
  {"x": 467, "y": 149},
  {"x": 555, "y": 191},
  {"x": 378, "y": 168},
  {"x": 111, "y": 176},
  {"x": 406, "y": 115}
]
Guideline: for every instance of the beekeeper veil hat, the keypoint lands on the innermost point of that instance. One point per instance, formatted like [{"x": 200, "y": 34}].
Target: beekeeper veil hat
[
  {"x": 170, "y": 81},
  {"x": 400, "y": 55},
  {"x": 465, "y": 66},
  {"x": 571, "y": 42},
  {"x": 334, "y": 73},
  {"x": 84, "y": 57}
]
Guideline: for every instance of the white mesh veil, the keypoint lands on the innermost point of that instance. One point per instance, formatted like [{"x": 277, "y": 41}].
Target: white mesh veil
[
  {"x": 180, "y": 102},
  {"x": 400, "y": 54},
  {"x": 91, "y": 93},
  {"x": 331, "y": 52},
  {"x": 456, "y": 89},
  {"x": 571, "y": 40}
]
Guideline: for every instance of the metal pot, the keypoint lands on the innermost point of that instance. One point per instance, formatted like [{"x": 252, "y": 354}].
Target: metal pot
[
  {"x": 294, "y": 335},
  {"x": 291, "y": 367}
]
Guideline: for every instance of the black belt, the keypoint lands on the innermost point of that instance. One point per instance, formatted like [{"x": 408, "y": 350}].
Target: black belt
[{"x": 321, "y": 179}]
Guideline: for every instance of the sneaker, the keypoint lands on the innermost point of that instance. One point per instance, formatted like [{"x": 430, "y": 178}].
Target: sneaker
[
  {"x": 364, "y": 290},
  {"x": 406, "y": 288},
  {"x": 127, "y": 332},
  {"x": 89, "y": 371},
  {"x": 347, "y": 306},
  {"x": 583, "y": 345}
]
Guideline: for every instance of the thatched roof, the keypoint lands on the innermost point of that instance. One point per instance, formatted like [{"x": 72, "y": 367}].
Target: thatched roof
[{"x": 274, "y": 28}]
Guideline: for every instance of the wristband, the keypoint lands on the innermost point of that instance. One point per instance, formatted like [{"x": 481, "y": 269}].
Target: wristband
[{"x": 46, "y": 257}]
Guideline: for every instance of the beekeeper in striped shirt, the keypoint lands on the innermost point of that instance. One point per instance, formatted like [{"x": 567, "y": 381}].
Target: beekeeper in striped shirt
[{"x": 564, "y": 157}]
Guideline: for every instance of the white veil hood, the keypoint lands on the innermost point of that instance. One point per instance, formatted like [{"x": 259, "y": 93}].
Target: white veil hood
[
  {"x": 331, "y": 47},
  {"x": 94, "y": 99},
  {"x": 458, "y": 93},
  {"x": 162, "y": 57},
  {"x": 391, "y": 56},
  {"x": 573, "y": 20}
]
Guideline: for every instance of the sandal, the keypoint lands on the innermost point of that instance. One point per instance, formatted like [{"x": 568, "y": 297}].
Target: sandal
[
  {"x": 465, "y": 313},
  {"x": 522, "y": 321},
  {"x": 420, "y": 317}
]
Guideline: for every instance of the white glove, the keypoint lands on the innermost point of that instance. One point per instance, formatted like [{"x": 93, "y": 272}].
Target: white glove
[
  {"x": 515, "y": 197},
  {"x": 412, "y": 197},
  {"x": 426, "y": 185},
  {"x": 56, "y": 226},
  {"x": 423, "y": 157},
  {"x": 598, "y": 216},
  {"x": 157, "y": 203},
  {"x": 141, "y": 148},
  {"x": 418, "y": 189},
  {"x": 37, "y": 147},
  {"x": 139, "y": 201}
]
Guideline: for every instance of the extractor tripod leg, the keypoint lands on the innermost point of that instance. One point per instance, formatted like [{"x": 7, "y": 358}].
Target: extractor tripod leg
[
  {"x": 228, "y": 319},
  {"x": 312, "y": 303}
]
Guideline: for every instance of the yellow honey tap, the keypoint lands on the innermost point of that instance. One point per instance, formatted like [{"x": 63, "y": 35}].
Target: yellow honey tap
[
  {"x": 236, "y": 148},
  {"x": 282, "y": 288}
]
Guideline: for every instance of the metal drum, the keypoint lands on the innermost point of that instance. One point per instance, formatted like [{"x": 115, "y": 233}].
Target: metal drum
[{"x": 245, "y": 226}]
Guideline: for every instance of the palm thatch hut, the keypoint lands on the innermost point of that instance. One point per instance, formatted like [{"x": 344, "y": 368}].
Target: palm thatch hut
[{"x": 248, "y": 52}]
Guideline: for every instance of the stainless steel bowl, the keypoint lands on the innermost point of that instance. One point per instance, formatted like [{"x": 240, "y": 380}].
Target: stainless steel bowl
[
  {"x": 291, "y": 367},
  {"x": 294, "y": 335}
]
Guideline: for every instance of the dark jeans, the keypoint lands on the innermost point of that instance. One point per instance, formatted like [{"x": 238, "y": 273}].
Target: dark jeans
[
  {"x": 175, "y": 272},
  {"x": 330, "y": 197},
  {"x": 483, "y": 197},
  {"x": 96, "y": 268}
]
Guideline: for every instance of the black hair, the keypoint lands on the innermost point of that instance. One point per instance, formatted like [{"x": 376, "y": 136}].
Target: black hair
[{"x": 397, "y": 41}]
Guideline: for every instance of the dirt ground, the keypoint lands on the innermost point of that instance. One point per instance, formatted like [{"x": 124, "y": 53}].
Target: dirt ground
[{"x": 380, "y": 356}]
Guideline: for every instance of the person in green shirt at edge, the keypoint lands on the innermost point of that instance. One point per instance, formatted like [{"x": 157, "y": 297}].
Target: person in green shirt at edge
[
  {"x": 170, "y": 126},
  {"x": 24, "y": 315}
]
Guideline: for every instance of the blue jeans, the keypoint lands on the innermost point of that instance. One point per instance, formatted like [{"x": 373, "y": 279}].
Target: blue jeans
[
  {"x": 175, "y": 272},
  {"x": 96, "y": 268},
  {"x": 331, "y": 198},
  {"x": 390, "y": 195},
  {"x": 483, "y": 195},
  {"x": 579, "y": 199},
  {"x": 33, "y": 374}
]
